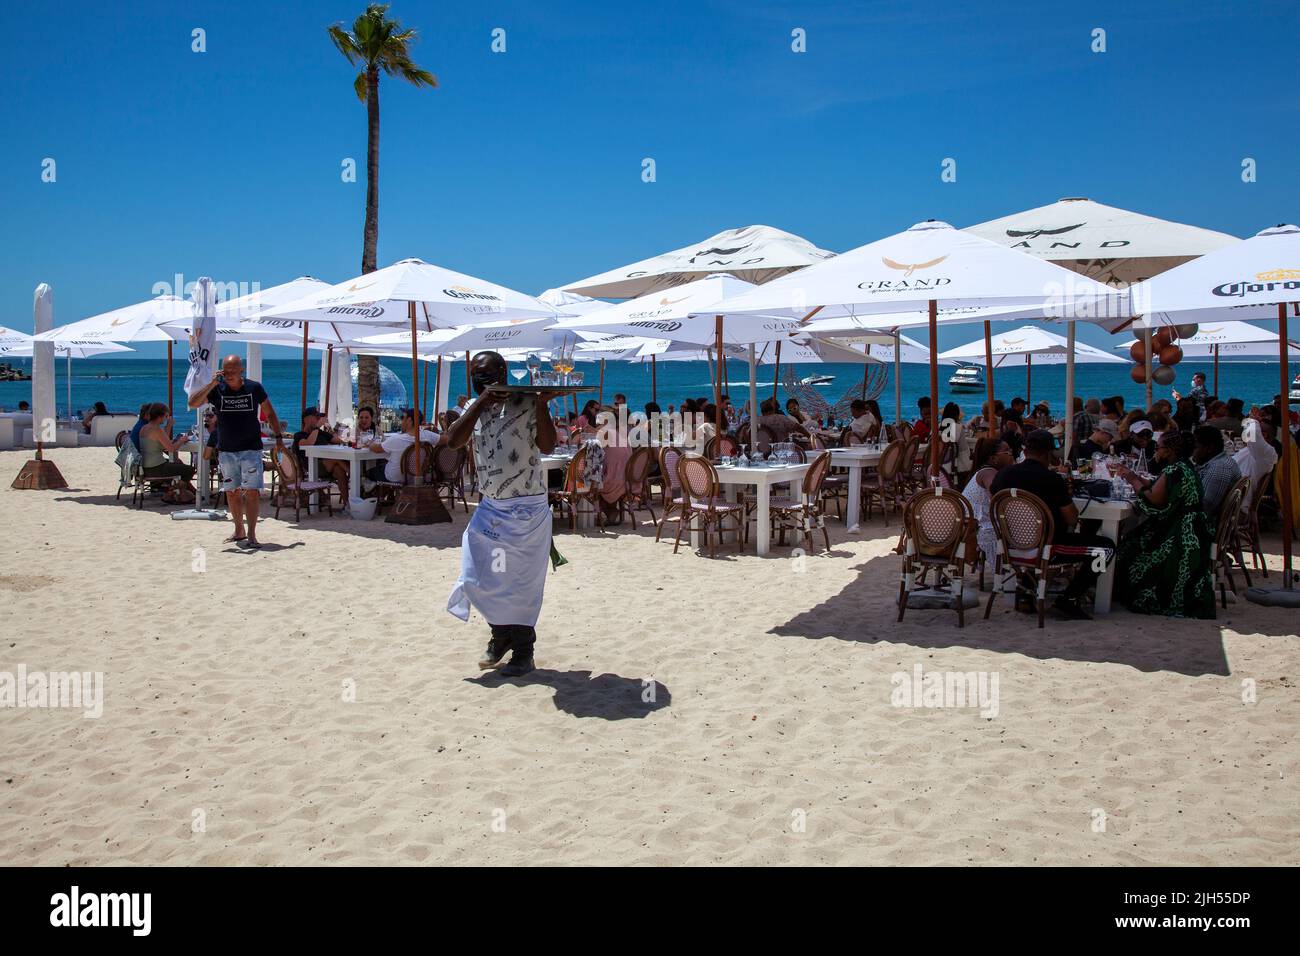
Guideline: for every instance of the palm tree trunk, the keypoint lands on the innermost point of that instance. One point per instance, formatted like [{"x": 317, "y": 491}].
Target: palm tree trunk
[{"x": 368, "y": 365}]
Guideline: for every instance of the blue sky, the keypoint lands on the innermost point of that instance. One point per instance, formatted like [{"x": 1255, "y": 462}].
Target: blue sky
[{"x": 525, "y": 167}]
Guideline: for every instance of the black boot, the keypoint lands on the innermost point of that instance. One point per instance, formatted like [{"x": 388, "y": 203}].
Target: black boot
[
  {"x": 497, "y": 646},
  {"x": 521, "y": 661}
]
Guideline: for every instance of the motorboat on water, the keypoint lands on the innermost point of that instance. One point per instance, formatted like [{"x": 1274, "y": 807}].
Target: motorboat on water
[
  {"x": 1294, "y": 392},
  {"x": 967, "y": 378},
  {"x": 817, "y": 380}
]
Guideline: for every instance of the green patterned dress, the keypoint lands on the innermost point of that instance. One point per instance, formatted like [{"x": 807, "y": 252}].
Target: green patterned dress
[{"x": 1164, "y": 566}]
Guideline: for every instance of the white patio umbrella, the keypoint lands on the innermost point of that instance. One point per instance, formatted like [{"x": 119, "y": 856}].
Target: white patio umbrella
[
  {"x": 755, "y": 254},
  {"x": 1261, "y": 270},
  {"x": 142, "y": 322},
  {"x": 424, "y": 295},
  {"x": 1230, "y": 339},
  {"x": 74, "y": 348},
  {"x": 1114, "y": 246},
  {"x": 922, "y": 266},
  {"x": 1025, "y": 346}
]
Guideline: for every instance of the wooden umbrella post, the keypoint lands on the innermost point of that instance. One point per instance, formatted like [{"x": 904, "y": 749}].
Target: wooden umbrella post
[
  {"x": 1029, "y": 381},
  {"x": 601, "y": 392},
  {"x": 1288, "y": 453},
  {"x": 654, "y": 381},
  {"x": 424, "y": 402},
  {"x": 934, "y": 387},
  {"x": 437, "y": 389},
  {"x": 898, "y": 376},
  {"x": 1146, "y": 337},
  {"x": 415, "y": 384},
  {"x": 1216, "y": 370},
  {"x": 991, "y": 417}
]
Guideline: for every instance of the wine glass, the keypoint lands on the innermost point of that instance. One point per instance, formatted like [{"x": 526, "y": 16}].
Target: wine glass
[{"x": 519, "y": 374}]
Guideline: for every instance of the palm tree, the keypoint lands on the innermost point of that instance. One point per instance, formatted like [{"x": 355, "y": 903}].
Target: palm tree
[{"x": 376, "y": 44}]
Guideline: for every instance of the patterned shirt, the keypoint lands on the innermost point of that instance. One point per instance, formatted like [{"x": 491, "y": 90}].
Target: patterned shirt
[
  {"x": 1085, "y": 423},
  {"x": 505, "y": 450},
  {"x": 1217, "y": 475}
]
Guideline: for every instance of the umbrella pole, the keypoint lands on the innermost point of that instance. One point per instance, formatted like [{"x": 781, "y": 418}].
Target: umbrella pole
[
  {"x": 1069, "y": 390},
  {"x": 69, "y": 377},
  {"x": 991, "y": 416},
  {"x": 1029, "y": 381},
  {"x": 1216, "y": 371},
  {"x": 415, "y": 384},
  {"x": 654, "y": 381},
  {"x": 898, "y": 376},
  {"x": 329, "y": 378},
  {"x": 776, "y": 374},
  {"x": 437, "y": 388},
  {"x": 304, "y": 364},
  {"x": 721, "y": 366},
  {"x": 424, "y": 403},
  {"x": 170, "y": 409},
  {"x": 601, "y": 392},
  {"x": 1288, "y": 453},
  {"x": 753, "y": 399},
  {"x": 865, "y": 367},
  {"x": 934, "y": 387}
]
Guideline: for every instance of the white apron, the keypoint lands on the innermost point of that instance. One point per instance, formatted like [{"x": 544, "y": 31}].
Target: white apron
[{"x": 503, "y": 561}]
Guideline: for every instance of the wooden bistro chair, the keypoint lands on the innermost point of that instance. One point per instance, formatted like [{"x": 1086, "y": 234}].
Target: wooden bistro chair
[
  {"x": 295, "y": 486},
  {"x": 386, "y": 491},
  {"x": 573, "y": 493},
  {"x": 1248, "y": 528},
  {"x": 806, "y": 512},
  {"x": 449, "y": 474},
  {"x": 1024, "y": 528},
  {"x": 912, "y": 470},
  {"x": 672, "y": 502},
  {"x": 882, "y": 486},
  {"x": 937, "y": 526},
  {"x": 703, "y": 504},
  {"x": 1227, "y": 545},
  {"x": 637, "y": 496},
  {"x": 720, "y": 445}
]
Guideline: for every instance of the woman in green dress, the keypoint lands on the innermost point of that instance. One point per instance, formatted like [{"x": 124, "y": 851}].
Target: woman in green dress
[{"x": 1164, "y": 566}]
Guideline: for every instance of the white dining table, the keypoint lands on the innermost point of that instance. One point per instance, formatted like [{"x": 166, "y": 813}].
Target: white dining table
[
  {"x": 1110, "y": 514},
  {"x": 762, "y": 478},
  {"x": 355, "y": 457},
  {"x": 857, "y": 459}
]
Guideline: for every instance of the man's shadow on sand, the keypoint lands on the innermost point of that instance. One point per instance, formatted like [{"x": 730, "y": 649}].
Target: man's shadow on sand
[{"x": 606, "y": 696}]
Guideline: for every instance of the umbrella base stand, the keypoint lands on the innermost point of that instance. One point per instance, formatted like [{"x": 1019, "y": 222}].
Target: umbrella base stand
[
  {"x": 39, "y": 474},
  {"x": 418, "y": 504},
  {"x": 198, "y": 514},
  {"x": 936, "y": 598},
  {"x": 1274, "y": 597}
]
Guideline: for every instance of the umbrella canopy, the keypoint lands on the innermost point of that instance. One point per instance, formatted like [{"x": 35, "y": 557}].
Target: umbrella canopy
[
  {"x": 930, "y": 262},
  {"x": 686, "y": 315},
  {"x": 1231, "y": 338},
  {"x": 77, "y": 349},
  {"x": 1111, "y": 245},
  {"x": 12, "y": 339},
  {"x": 754, "y": 254},
  {"x": 1029, "y": 343},
  {"x": 133, "y": 323},
  {"x": 1262, "y": 270},
  {"x": 445, "y": 299}
]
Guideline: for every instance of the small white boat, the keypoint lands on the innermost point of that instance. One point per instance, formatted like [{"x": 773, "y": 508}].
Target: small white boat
[
  {"x": 817, "y": 380},
  {"x": 1294, "y": 392},
  {"x": 967, "y": 378}
]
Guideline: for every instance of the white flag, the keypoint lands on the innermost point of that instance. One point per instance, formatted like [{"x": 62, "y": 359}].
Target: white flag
[{"x": 203, "y": 338}]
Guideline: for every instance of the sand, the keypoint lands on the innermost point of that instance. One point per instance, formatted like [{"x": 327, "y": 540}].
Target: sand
[{"x": 685, "y": 710}]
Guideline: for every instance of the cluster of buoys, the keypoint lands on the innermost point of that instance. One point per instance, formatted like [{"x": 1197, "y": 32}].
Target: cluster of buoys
[{"x": 1165, "y": 354}]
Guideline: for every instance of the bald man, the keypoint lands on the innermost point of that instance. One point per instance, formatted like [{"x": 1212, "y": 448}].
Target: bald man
[{"x": 237, "y": 400}]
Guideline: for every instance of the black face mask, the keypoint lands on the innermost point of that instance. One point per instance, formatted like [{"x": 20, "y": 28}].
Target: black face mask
[{"x": 484, "y": 378}]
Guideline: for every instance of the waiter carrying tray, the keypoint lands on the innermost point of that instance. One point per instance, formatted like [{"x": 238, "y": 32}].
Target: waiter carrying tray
[{"x": 507, "y": 543}]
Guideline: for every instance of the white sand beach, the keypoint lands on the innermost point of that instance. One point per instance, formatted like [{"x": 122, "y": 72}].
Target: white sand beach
[{"x": 684, "y": 710}]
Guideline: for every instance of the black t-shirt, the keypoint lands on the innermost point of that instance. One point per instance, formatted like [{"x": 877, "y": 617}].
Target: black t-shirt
[
  {"x": 213, "y": 441},
  {"x": 1038, "y": 479},
  {"x": 325, "y": 437},
  {"x": 236, "y": 408}
]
